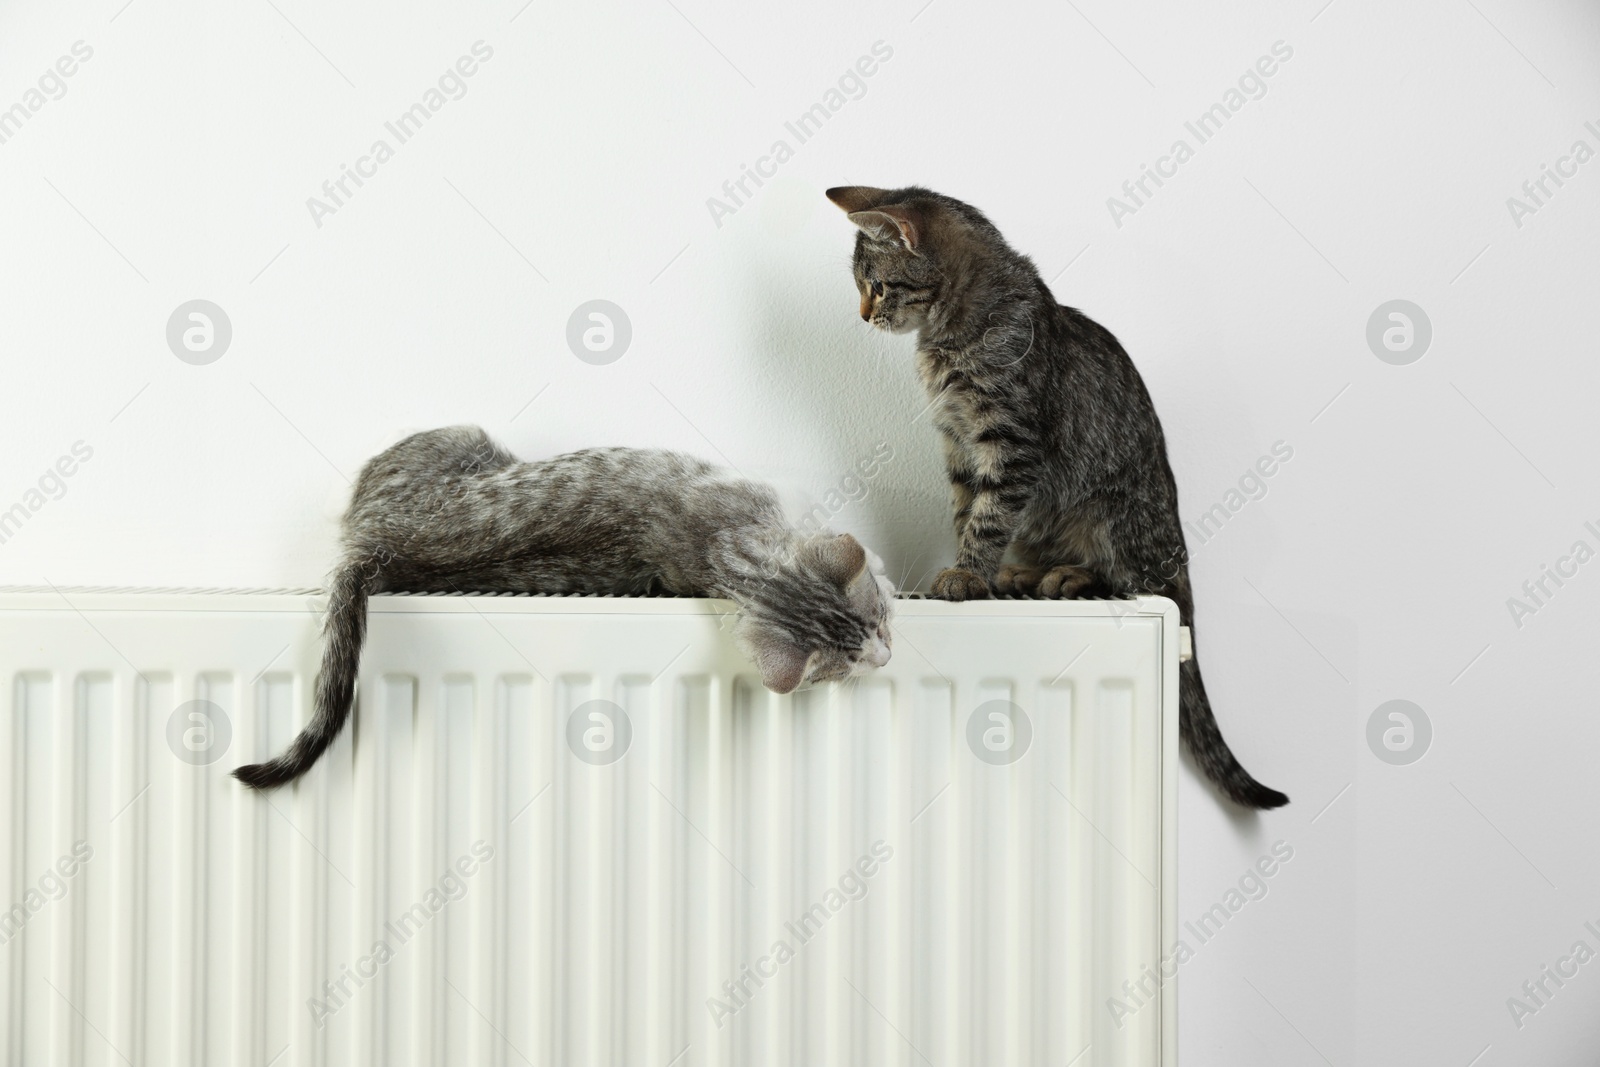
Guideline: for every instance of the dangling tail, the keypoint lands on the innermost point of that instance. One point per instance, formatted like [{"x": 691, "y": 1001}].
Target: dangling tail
[
  {"x": 1200, "y": 732},
  {"x": 344, "y": 633}
]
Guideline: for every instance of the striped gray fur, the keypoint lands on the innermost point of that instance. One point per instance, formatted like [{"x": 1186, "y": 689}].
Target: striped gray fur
[
  {"x": 450, "y": 510},
  {"x": 1055, "y": 454}
]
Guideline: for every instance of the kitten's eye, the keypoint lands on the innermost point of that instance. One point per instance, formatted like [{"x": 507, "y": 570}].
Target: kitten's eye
[{"x": 877, "y": 288}]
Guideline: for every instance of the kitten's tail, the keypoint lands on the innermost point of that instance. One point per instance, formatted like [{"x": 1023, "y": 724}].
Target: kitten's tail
[
  {"x": 1200, "y": 732},
  {"x": 345, "y": 629}
]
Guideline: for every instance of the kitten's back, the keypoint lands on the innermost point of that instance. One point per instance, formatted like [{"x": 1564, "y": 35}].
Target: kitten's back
[{"x": 451, "y": 504}]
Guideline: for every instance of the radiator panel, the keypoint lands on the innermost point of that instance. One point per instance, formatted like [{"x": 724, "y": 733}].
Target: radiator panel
[{"x": 850, "y": 874}]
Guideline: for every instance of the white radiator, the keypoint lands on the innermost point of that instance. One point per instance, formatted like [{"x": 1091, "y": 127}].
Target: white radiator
[{"x": 576, "y": 831}]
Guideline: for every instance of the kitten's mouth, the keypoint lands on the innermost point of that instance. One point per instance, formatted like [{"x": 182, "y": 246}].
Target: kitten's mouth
[{"x": 871, "y": 658}]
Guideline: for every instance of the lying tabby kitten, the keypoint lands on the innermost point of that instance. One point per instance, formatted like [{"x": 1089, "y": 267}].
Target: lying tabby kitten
[
  {"x": 1052, "y": 445},
  {"x": 450, "y": 510}
]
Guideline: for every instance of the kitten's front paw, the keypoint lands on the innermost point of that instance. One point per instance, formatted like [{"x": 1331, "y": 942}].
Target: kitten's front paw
[
  {"x": 953, "y": 583},
  {"x": 1064, "y": 583},
  {"x": 1021, "y": 581}
]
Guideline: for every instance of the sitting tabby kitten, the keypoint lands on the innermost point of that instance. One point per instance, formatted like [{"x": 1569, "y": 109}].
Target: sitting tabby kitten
[
  {"x": 1053, "y": 447},
  {"x": 450, "y": 510}
]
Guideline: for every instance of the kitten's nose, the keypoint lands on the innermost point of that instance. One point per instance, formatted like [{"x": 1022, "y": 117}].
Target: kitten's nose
[
  {"x": 866, "y": 307},
  {"x": 880, "y": 653}
]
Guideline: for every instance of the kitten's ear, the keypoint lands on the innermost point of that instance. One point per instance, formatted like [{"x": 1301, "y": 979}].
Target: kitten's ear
[
  {"x": 891, "y": 222},
  {"x": 840, "y": 558},
  {"x": 782, "y": 665},
  {"x": 857, "y": 197}
]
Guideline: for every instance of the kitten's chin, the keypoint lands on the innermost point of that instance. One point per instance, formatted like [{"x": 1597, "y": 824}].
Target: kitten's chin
[{"x": 894, "y": 327}]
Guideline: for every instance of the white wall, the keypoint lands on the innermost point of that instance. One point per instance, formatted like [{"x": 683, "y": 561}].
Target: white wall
[{"x": 578, "y": 165}]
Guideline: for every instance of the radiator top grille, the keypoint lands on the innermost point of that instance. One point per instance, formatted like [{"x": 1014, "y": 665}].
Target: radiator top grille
[{"x": 137, "y": 590}]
